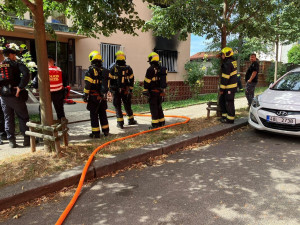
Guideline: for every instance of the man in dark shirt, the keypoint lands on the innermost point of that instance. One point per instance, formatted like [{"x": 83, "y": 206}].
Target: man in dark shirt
[{"x": 251, "y": 78}]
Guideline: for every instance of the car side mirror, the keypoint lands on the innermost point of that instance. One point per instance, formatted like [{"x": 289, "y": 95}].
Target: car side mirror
[{"x": 271, "y": 85}]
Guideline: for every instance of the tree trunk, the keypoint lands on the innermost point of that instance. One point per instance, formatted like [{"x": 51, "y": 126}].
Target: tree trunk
[
  {"x": 276, "y": 60},
  {"x": 240, "y": 49},
  {"x": 42, "y": 63}
]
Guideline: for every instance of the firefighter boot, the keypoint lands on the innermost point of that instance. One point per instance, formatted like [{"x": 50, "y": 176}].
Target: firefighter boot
[
  {"x": 132, "y": 121},
  {"x": 94, "y": 135},
  {"x": 12, "y": 143},
  {"x": 120, "y": 124}
]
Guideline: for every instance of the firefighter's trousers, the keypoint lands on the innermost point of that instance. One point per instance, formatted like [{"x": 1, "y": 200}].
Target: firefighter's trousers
[
  {"x": 226, "y": 102},
  {"x": 157, "y": 114},
  {"x": 118, "y": 98},
  {"x": 97, "y": 110}
]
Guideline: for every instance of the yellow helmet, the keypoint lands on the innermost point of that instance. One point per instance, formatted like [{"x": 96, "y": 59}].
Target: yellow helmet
[
  {"x": 120, "y": 55},
  {"x": 227, "y": 51},
  {"x": 153, "y": 57},
  {"x": 95, "y": 55}
]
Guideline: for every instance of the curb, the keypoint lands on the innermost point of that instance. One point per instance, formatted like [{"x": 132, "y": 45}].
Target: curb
[{"x": 28, "y": 190}]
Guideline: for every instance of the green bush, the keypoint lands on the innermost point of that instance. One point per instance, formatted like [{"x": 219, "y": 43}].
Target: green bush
[
  {"x": 294, "y": 54},
  {"x": 282, "y": 69},
  {"x": 194, "y": 77}
]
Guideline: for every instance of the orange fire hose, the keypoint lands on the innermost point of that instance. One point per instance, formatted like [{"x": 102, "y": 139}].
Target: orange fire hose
[{"x": 85, "y": 169}]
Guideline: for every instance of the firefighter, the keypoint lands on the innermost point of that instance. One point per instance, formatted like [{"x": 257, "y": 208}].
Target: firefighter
[
  {"x": 2, "y": 126},
  {"x": 121, "y": 81},
  {"x": 228, "y": 85},
  {"x": 154, "y": 85},
  {"x": 95, "y": 91},
  {"x": 14, "y": 76}
]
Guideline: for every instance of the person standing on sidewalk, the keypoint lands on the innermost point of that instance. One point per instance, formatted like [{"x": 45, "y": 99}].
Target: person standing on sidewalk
[
  {"x": 57, "y": 84},
  {"x": 251, "y": 78},
  {"x": 121, "y": 81},
  {"x": 154, "y": 84},
  {"x": 2, "y": 123},
  {"x": 95, "y": 91},
  {"x": 14, "y": 76},
  {"x": 228, "y": 86}
]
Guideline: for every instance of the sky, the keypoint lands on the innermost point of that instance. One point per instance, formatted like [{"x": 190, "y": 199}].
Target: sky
[{"x": 198, "y": 44}]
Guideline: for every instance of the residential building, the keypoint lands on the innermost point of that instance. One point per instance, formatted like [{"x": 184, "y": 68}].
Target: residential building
[{"x": 72, "y": 50}]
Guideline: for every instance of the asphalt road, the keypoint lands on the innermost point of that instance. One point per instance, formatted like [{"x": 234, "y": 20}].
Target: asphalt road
[{"x": 247, "y": 178}]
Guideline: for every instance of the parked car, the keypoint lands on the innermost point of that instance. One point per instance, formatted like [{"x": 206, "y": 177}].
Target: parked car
[{"x": 278, "y": 108}]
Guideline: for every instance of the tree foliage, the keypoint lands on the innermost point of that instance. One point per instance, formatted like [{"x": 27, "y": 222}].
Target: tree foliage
[
  {"x": 294, "y": 54},
  {"x": 89, "y": 17},
  {"x": 214, "y": 18}
]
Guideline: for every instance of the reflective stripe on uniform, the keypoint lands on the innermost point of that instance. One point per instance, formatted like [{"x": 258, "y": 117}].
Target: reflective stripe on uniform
[
  {"x": 147, "y": 80},
  {"x": 233, "y": 73},
  {"x": 161, "y": 120},
  {"x": 95, "y": 129},
  {"x": 131, "y": 76},
  {"x": 145, "y": 90},
  {"x": 120, "y": 119},
  {"x": 225, "y": 76},
  {"x": 113, "y": 77},
  {"x": 230, "y": 117},
  {"x": 131, "y": 88},
  {"x": 130, "y": 117},
  {"x": 105, "y": 126},
  {"x": 154, "y": 78},
  {"x": 228, "y": 86},
  {"x": 89, "y": 79},
  {"x": 155, "y": 121},
  {"x": 224, "y": 114},
  {"x": 86, "y": 91}
]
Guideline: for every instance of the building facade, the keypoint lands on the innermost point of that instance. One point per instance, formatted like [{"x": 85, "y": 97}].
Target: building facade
[{"x": 72, "y": 50}]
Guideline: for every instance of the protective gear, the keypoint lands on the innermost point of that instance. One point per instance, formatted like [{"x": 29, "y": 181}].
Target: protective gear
[
  {"x": 154, "y": 88},
  {"x": 153, "y": 57},
  {"x": 120, "y": 56},
  {"x": 96, "y": 87},
  {"x": 121, "y": 81},
  {"x": 95, "y": 55},
  {"x": 228, "y": 87},
  {"x": 85, "y": 97},
  {"x": 228, "y": 52},
  {"x": 55, "y": 78}
]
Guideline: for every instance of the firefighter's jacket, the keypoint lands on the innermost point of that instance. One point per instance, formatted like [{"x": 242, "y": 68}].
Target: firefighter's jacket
[
  {"x": 96, "y": 81},
  {"x": 229, "y": 75},
  {"x": 121, "y": 78},
  {"x": 156, "y": 78}
]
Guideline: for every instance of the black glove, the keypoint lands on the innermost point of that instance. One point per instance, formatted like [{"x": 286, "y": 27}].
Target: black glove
[{"x": 85, "y": 97}]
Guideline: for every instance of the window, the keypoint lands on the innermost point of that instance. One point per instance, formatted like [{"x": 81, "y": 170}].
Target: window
[
  {"x": 108, "y": 52},
  {"x": 168, "y": 59}
]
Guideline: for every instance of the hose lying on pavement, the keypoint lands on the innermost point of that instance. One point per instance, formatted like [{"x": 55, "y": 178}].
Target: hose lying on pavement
[{"x": 85, "y": 169}]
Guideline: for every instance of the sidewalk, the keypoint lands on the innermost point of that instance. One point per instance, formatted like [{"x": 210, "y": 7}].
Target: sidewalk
[
  {"x": 79, "y": 131},
  {"x": 27, "y": 190}
]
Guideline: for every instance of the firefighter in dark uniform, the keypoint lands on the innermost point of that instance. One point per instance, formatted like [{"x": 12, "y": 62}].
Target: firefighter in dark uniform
[
  {"x": 154, "y": 84},
  {"x": 95, "y": 91},
  {"x": 14, "y": 95},
  {"x": 121, "y": 81},
  {"x": 2, "y": 124},
  {"x": 228, "y": 86}
]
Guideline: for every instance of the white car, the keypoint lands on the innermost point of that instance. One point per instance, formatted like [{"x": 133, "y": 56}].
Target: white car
[{"x": 278, "y": 108}]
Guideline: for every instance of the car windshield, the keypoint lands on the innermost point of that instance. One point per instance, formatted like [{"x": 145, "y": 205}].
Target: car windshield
[{"x": 290, "y": 82}]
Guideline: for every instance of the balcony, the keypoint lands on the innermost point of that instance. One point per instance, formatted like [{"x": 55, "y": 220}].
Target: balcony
[{"x": 55, "y": 26}]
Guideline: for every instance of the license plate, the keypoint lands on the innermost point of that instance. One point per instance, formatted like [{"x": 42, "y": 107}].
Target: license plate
[{"x": 283, "y": 120}]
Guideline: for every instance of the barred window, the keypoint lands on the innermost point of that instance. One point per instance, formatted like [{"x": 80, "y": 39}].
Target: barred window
[
  {"x": 108, "y": 52},
  {"x": 168, "y": 59}
]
